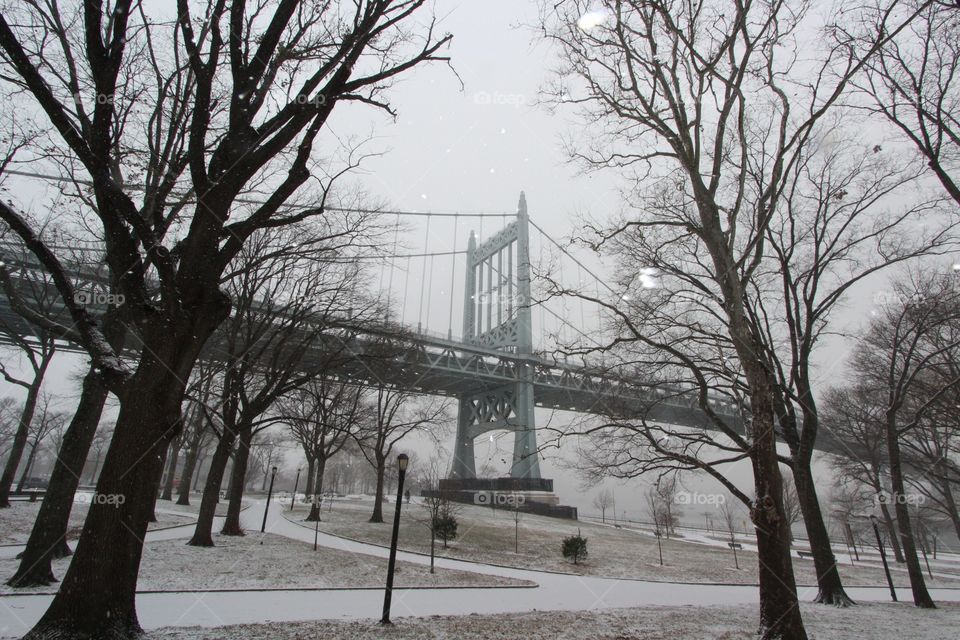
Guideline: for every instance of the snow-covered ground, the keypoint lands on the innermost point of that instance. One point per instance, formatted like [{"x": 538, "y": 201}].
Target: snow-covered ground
[
  {"x": 486, "y": 535},
  {"x": 556, "y": 593},
  {"x": 874, "y": 621},
  {"x": 16, "y": 522},
  {"x": 257, "y": 562}
]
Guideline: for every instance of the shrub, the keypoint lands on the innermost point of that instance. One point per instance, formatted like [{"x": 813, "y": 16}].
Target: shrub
[
  {"x": 445, "y": 527},
  {"x": 575, "y": 548}
]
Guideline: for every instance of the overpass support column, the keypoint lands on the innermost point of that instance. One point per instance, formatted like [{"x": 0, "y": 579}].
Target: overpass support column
[
  {"x": 526, "y": 462},
  {"x": 463, "y": 460}
]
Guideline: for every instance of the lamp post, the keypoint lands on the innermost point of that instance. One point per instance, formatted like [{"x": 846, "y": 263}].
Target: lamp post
[
  {"x": 266, "y": 509},
  {"x": 883, "y": 557},
  {"x": 402, "y": 461},
  {"x": 295, "y": 485}
]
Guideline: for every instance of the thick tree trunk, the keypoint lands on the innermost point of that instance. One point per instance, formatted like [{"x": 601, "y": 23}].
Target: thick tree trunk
[
  {"x": 378, "y": 498},
  {"x": 308, "y": 488},
  {"x": 892, "y": 528},
  {"x": 48, "y": 538},
  {"x": 171, "y": 473},
  {"x": 20, "y": 439},
  {"x": 97, "y": 596},
  {"x": 314, "y": 515},
  {"x": 779, "y": 607},
  {"x": 203, "y": 534},
  {"x": 186, "y": 476},
  {"x": 921, "y": 597},
  {"x": 199, "y": 473},
  {"x": 231, "y": 526},
  {"x": 830, "y": 587}
]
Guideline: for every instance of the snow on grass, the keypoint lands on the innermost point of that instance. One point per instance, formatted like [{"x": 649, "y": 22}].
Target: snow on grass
[
  {"x": 877, "y": 621},
  {"x": 241, "y": 562},
  {"x": 17, "y": 521},
  {"x": 487, "y": 535}
]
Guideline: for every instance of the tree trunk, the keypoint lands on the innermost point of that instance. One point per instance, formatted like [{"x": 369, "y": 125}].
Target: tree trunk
[
  {"x": 950, "y": 503},
  {"x": 308, "y": 489},
  {"x": 203, "y": 534},
  {"x": 314, "y": 515},
  {"x": 378, "y": 497},
  {"x": 779, "y": 608},
  {"x": 163, "y": 463},
  {"x": 48, "y": 538},
  {"x": 28, "y": 466},
  {"x": 830, "y": 587},
  {"x": 199, "y": 474},
  {"x": 921, "y": 597},
  {"x": 231, "y": 526},
  {"x": 186, "y": 476},
  {"x": 97, "y": 596},
  {"x": 892, "y": 528},
  {"x": 20, "y": 439},
  {"x": 171, "y": 472}
]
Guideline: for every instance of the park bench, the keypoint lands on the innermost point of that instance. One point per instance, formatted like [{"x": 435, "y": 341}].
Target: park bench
[
  {"x": 735, "y": 545},
  {"x": 804, "y": 554}
]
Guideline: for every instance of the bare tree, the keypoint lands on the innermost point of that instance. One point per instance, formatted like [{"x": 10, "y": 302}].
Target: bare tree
[
  {"x": 323, "y": 415},
  {"x": 907, "y": 340},
  {"x": 8, "y": 424},
  {"x": 199, "y": 426},
  {"x": 728, "y": 515},
  {"x": 854, "y": 416},
  {"x": 911, "y": 81},
  {"x": 44, "y": 424},
  {"x": 931, "y": 452},
  {"x": 603, "y": 501},
  {"x": 701, "y": 110},
  {"x": 222, "y": 114},
  {"x": 437, "y": 503},
  {"x": 287, "y": 291},
  {"x": 38, "y": 354},
  {"x": 397, "y": 413},
  {"x": 661, "y": 501}
]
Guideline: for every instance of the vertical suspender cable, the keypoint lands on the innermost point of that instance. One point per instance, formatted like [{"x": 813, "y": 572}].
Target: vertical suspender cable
[
  {"x": 429, "y": 291},
  {"x": 499, "y": 287},
  {"x": 543, "y": 325},
  {"x": 453, "y": 271},
  {"x": 423, "y": 276},
  {"x": 406, "y": 282},
  {"x": 583, "y": 321},
  {"x": 561, "y": 333},
  {"x": 393, "y": 266}
]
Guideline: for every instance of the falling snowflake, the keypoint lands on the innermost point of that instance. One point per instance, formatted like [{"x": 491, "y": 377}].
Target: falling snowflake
[
  {"x": 648, "y": 278},
  {"x": 591, "y": 19}
]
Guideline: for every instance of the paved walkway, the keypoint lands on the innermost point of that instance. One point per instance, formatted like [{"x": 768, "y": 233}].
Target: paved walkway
[{"x": 555, "y": 592}]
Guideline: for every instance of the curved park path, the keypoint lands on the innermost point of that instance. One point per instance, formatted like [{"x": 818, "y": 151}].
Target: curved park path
[{"x": 554, "y": 592}]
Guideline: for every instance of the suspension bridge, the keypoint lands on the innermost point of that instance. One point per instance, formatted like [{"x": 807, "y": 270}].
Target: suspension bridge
[{"x": 494, "y": 368}]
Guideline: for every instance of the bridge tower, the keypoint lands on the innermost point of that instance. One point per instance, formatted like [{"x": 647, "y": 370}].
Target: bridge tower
[{"x": 496, "y": 314}]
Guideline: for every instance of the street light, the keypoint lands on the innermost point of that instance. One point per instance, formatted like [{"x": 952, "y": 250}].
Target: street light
[
  {"x": 266, "y": 509},
  {"x": 295, "y": 485},
  {"x": 402, "y": 461}
]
